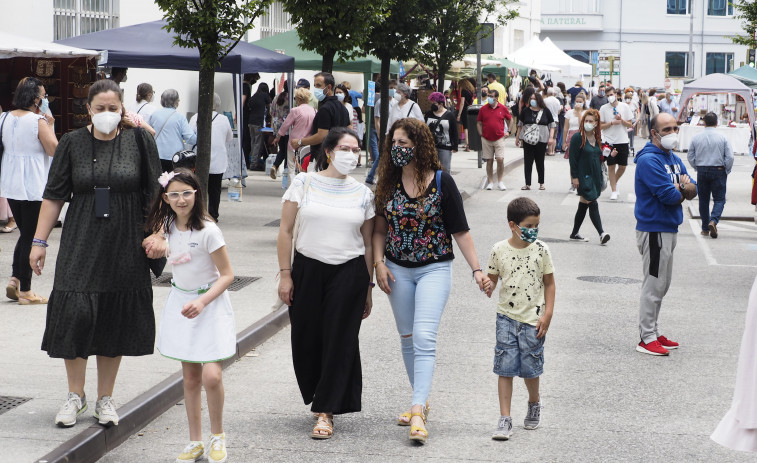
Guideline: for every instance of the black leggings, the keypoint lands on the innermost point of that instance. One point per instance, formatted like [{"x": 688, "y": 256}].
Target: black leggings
[
  {"x": 282, "y": 154},
  {"x": 593, "y": 208},
  {"x": 26, "y": 214},
  {"x": 533, "y": 153},
  {"x": 214, "y": 194}
]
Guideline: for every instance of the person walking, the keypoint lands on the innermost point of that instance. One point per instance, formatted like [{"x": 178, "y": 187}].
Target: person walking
[
  {"x": 662, "y": 184},
  {"x": 28, "y": 143},
  {"x": 258, "y": 104},
  {"x": 711, "y": 155},
  {"x": 404, "y": 107},
  {"x": 143, "y": 106},
  {"x": 586, "y": 174},
  {"x": 443, "y": 126},
  {"x": 553, "y": 105},
  {"x": 536, "y": 122},
  {"x": 492, "y": 128},
  {"x": 328, "y": 284},
  {"x": 418, "y": 211},
  {"x": 575, "y": 90},
  {"x": 616, "y": 118},
  {"x": 570, "y": 128},
  {"x": 279, "y": 113},
  {"x": 466, "y": 95},
  {"x": 493, "y": 84},
  {"x": 299, "y": 122},
  {"x": 653, "y": 109},
  {"x": 599, "y": 100},
  {"x": 173, "y": 130},
  {"x": 101, "y": 302},
  {"x": 669, "y": 104}
]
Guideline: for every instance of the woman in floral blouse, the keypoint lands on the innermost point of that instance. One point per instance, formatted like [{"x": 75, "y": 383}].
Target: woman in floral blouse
[{"x": 418, "y": 211}]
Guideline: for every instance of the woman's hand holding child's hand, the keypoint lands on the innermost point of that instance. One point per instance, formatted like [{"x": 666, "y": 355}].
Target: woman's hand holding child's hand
[
  {"x": 192, "y": 309},
  {"x": 155, "y": 246}
]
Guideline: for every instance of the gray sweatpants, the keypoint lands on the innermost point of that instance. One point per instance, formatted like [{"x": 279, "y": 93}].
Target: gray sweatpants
[{"x": 656, "y": 249}]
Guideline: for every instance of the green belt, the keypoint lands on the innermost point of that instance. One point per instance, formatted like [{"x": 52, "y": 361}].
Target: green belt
[{"x": 201, "y": 290}]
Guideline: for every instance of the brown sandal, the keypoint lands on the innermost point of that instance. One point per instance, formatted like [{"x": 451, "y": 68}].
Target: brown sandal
[
  {"x": 32, "y": 299},
  {"x": 324, "y": 424},
  {"x": 11, "y": 291}
]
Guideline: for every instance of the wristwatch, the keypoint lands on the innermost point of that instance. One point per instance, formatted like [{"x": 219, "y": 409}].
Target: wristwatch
[{"x": 299, "y": 142}]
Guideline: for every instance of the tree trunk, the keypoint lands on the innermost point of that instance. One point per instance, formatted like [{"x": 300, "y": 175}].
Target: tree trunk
[
  {"x": 327, "y": 65},
  {"x": 440, "y": 77},
  {"x": 204, "y": 128},
  {"x": 384, "y": 110}
]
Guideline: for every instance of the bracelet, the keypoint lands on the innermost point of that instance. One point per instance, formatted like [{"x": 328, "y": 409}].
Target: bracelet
[
  {"x": 39, "y": 242},
  {"x": 378, "y": 262},
  {"x": 371, "y": 284},
  {"x": 477, "y": 270},
  {"x": 285, "y": 269}
]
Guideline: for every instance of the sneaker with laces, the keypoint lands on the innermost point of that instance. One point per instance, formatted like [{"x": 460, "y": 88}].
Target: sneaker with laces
[
  {"x": 604, "y": 238},
  {"x": 533, "y": 416},
  {"x": 192, "y": 452},
  {"x": 504, "y": 428},
  {"x": 489, "y": 186},
  {"x": 667, "y": 343},
  {"x": 614, "y": 195},
  {"x": 105, "y": 411},
  {"x": 217, "y": 448},
  {"x": 501, "y": 186},
  {"x": 74, "y": 406},
  {"x": 653, "y": 348},
  {"x": 577, "y": 237}
]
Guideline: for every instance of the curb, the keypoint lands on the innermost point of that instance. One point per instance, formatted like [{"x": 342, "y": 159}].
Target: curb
[
  {"x": 694, "y": 211},
  {"x": 509, "y": 167},
  {"x": 95, "y": 441}
]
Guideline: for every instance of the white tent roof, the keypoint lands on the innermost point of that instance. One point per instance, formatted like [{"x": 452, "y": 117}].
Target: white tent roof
[
  {"x": 564, "y": 61},
  {"x": 716, "y": 83},
  {"x": 546, "y": 56},
  {"x": 13, "y": 46}
]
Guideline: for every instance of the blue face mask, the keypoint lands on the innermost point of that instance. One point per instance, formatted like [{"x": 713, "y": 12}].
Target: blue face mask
[
  {"x": 318, "y": 93},
  {"x": 340, "y": 96},
  {"x": 533, "y": 103},
  {"x": 528, "y": 234},
  {"x": 490, "y": 100},
  {"x": 44, "y": 106},
  {"x": 391, "y": 93}
]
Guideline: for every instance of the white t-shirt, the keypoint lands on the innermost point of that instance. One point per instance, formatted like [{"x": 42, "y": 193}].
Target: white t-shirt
[
  {"x": 575, "y": 121},
  {"x": 330, "y": 216},
  {"x": 553, "y": 104},
  {"x": 143, "y": 108},
  {"x": 220, "y": 136},
  {"x": 617, "y": 133},
  {"x": 200, "y": 244},
  {"x": 397, "y": 112}
]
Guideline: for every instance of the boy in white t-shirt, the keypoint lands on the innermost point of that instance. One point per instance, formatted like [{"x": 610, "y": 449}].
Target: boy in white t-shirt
[{"x": 524, "y": 312}]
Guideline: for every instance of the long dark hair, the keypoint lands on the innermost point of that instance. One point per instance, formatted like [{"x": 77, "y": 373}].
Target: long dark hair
[
  {"x": 161, "y": 216},
  {"x": 330, "y": 142}
]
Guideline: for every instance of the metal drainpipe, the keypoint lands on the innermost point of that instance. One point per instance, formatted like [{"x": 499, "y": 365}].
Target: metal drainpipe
[
  {"x": 691, "y": 38},
  {"x": 620, "y": 46},
  {"x": 701, "y": 41}
]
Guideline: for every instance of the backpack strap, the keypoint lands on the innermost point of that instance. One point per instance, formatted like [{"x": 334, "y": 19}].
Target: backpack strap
[{"x": 439, "y": 181}]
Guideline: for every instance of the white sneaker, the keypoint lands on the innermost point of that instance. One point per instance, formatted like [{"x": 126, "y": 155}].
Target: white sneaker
[
  {"x": 614, "y": 196},
  {"x": 489, "y": 186},
  {"x": 572, "y": 189},
  {"x": 105, "y": 411},
  {"x": 73, "y": 407},
  {"x": 501, "y": 186}
]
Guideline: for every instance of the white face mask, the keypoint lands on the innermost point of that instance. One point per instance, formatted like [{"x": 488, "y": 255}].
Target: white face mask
[
  {"x": 669, "y": 141},
  {"x": 106, "y": 121},
  {"x": 344, "y": 162},
  {"x": 579, "y": 105},
  {"x": 588, "y": 126},
  {"x": 611, "y": 99},
  {"x": 397, "y": 96}
]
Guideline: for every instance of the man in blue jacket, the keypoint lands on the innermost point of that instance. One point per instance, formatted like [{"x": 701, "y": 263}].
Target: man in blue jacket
[{"x": 662, "y": 183}]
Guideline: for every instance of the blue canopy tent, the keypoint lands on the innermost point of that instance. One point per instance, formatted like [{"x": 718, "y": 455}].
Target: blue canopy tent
[{"x": 126, "y": 47}]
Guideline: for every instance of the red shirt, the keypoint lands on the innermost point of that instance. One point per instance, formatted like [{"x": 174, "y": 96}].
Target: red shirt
[{"x": 493, "y": 121}]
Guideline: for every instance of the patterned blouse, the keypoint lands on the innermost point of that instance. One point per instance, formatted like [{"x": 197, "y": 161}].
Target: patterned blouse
[{"x": 420, "y": 230}]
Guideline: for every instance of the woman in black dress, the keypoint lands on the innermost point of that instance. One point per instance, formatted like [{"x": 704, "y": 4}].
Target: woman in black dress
[
  {"x": 466, "y": 93},
  {"x": 101, "y": 303}
]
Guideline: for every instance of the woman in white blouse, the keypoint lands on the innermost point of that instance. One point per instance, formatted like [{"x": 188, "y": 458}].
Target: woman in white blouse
[
  {"x": 327, "y": 285},
  {"x": 29, "y": 141},
  {"x": 143, "y": 106},
  {"x": 572, "y": 121},
  {"x": 405, "y": 107}
]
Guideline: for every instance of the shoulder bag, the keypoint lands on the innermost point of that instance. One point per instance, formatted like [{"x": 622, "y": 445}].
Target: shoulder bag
[
  {"x": 531, "y": 132},
  {"x": 295, "y": 232},
  {"x": 156, "y": 265},
  {"x": 2, "y": 148}
]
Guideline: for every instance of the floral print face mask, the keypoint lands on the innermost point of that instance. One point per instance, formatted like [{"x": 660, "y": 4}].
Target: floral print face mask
[{"x": 402, "y": 155}]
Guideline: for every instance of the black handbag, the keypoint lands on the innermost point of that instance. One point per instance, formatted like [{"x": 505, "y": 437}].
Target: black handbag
[
  {"x": 2, "y": 148},
  {"x": 156, "y": 265}
]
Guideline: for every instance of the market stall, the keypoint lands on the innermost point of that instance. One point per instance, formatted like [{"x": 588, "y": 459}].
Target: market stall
[{"x": 727, "y": 97}]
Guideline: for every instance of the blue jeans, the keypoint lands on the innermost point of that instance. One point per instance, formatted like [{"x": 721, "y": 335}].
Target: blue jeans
[
  {"x": 711, "y": 181},
  {"x": 418, "y": 298},
  {"x": 374, "y": 154}
]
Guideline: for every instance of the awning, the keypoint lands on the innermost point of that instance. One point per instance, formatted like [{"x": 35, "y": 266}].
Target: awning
[{"x": 15, "y": 46}]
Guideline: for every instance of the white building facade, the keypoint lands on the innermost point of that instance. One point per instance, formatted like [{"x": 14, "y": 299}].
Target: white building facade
[
  {"x": 520, "y": 30},
  {"x": 646, "y": 42}
]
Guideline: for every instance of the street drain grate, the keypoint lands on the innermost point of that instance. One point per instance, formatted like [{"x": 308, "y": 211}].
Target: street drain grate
[
  {"x": 8, "y": 403},
  {"x": 610, "y": 280},
  {"x": 275, "y": 223},
  {"x": 236, "y": 285},
  {"x": 553, "y": 240}
]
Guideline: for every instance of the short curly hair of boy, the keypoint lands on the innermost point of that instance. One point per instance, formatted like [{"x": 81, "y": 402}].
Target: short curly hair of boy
[{"x": 520, "y": 208}]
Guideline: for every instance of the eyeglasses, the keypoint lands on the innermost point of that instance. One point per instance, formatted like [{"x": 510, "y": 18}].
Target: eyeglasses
[
  {"x": 347, "y": 148},
  {"x": 174, "y": 195}
]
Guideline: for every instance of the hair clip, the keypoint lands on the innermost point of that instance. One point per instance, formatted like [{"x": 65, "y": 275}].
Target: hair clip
[{"x": 166, "y": 177}]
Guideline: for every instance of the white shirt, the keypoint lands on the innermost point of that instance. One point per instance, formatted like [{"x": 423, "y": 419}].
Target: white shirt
[
  {"x": 23, "y": 174},
  {"x": 617, "y": 133},
  {"x": 553, "y": 104},
  {"x": 574, "y": 121},
  {"x": 200, "y": 244},
  {"x": 220, "y": 137},
  {"x": 397, "y": 112},
  {"x": 330, "y": 216},
  {"x": 143, "y": 108}
]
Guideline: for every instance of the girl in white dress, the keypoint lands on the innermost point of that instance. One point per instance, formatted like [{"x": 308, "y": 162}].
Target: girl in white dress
[{"x": 197, "y": 324}]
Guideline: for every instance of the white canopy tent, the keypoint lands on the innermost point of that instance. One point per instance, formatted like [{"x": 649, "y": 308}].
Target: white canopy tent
[
  {"x": 14, "y": 46},
  {"x": 546, "y": 56}
]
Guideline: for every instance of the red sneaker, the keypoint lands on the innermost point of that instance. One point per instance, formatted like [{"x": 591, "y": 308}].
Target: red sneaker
[
  {"x": 667, "y": 343},
  {"x": 653, "y": 348}
]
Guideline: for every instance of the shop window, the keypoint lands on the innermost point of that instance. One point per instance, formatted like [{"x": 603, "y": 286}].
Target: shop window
[
  {"x": 719, "y": 62},
  {"x": 78, "y": 17},
  {"x": 678, "y": 63},
  {"x": 275, "y": 20},
  {"x": 719, "y": 8},
  {"x": 678, "y": 6}
]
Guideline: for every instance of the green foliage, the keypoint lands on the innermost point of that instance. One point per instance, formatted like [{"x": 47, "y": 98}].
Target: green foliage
[
  {"x": 399, "y": 35},
  {"x": 747, "y": 12},
  {"x": 212, "y": 26},
  {"x": 455, "y": 26}
]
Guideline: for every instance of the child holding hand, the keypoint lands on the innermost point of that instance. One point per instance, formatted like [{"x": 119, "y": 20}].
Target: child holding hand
[{"x": 526, "y": 303}]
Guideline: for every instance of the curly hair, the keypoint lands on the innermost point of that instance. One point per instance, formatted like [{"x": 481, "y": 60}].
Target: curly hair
[
  {"x": 597, "y": 127},
  {"x": 425, "y": 157}
]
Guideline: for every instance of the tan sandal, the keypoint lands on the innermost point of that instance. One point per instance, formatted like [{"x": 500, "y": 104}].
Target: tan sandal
[
  {"x": 32, "y": 299},
  {"x": 324, "y": 424},
  {"x": 417, "y": 433},
  {"x": 11, "y": 291}
]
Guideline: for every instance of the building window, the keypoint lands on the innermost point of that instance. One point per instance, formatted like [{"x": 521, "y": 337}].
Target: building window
[
  {"x": 583, "y": 56},
  {"x": 719, "y": 62},
  {"x": 275, "y": 20},
  {"x": 678, "y": 6},
  {"x": 678, "y": 63},
  {"x": 78, "y": 17},
  {"x": 719, "y": 8}
]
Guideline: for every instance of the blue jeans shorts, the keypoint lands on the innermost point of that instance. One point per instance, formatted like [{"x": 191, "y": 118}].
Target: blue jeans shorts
[{"x": 518, "y": 351}]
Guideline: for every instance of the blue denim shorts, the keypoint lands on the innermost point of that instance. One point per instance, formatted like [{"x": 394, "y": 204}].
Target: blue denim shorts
[{"x": 518, "y": 351}]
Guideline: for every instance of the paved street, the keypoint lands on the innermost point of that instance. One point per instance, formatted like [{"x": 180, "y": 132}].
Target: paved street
[{"x": 603, "y": 401}]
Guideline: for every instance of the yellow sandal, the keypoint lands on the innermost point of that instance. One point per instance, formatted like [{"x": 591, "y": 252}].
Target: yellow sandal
[
  {"x": 407, "y": 415},
  {"x": 422, "y": 432}
]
